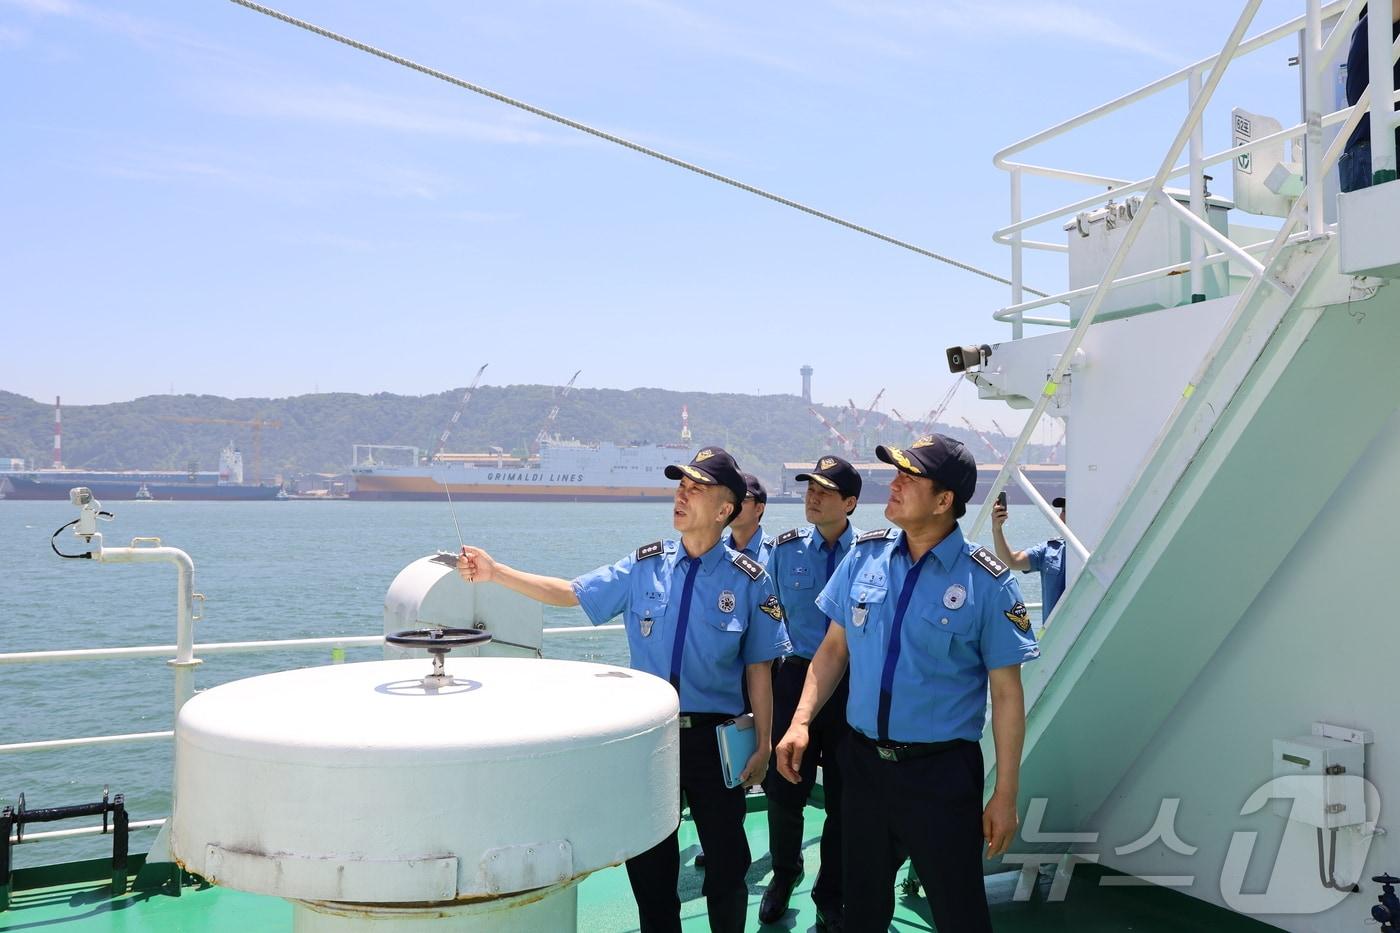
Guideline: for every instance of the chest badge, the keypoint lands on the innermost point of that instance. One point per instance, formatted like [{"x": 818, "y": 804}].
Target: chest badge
[
  {"x": 647, "y": 623},
  {"x": 954, "y": 596},
  {"x": 858, "y": 616},
  {"x": 726, "y": 601}
]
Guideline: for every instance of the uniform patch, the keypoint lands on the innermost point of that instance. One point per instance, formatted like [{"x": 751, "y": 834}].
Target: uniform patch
[
  {"x": 989, "y": 562},
  {"x": 1020, "y": 616},
  {"x": 726, "y": 601},
  {"x": 772, "y": 608},
  {"x": 877, "y": 535},
  {"x": 783, "y": 538},
  {"x": 954, "y": 596},
  {"x": 650, "y": 550},
  {"x": 752, "y": 569}
]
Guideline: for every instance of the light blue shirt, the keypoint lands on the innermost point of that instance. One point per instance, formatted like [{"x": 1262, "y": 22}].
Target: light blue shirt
[
  {"x": 734, "y": 619},
  {"x": 800, "y": 567},
  {"x": 759, "y": 548},
  {"x": 961, "y": 620},
  {"x": 1049, "y": 559}
]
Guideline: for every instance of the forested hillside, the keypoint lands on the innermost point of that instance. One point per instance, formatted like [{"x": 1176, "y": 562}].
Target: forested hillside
[{"x": 317, "y": 431}]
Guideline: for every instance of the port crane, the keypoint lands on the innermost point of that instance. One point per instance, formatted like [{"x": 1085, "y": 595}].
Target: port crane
[
  {"x": 842, "y": 439},
  {"x": 984, "y": 439},
  {"x": 457, "y": 415},
  {"x": 256, "y": 425},
  {"x": 554, "y": 412}
]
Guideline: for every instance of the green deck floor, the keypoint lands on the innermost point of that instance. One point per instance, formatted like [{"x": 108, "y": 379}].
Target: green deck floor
[{"x": 605, "y": 903}]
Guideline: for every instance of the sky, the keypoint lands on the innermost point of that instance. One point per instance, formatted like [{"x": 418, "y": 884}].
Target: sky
[{"x": 200, "y": 199}]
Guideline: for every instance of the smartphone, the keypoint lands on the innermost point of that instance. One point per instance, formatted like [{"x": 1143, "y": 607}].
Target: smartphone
[{"x": 1001, "y": 498}]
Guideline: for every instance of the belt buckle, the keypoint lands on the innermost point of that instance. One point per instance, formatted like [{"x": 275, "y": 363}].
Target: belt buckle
[
  {"x": 887, "y": 754},
  {"x": 685, "y": 722}
]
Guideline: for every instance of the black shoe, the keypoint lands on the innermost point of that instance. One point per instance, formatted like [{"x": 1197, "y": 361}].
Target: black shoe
[
  {"x": 775, "y": 899},
  {"x": 830, "y": 920},
  {"x": 700, "y": 860}
]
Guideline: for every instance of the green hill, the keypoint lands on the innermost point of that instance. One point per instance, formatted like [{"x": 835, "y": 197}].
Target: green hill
[{"x": 317, "y": 431}]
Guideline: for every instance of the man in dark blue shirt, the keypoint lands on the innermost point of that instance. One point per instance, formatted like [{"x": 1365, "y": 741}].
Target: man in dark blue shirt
[{"x": 1355, "y": 164}]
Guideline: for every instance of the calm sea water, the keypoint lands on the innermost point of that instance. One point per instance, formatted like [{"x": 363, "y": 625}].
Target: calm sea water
[{"x": 269, "y": 570}]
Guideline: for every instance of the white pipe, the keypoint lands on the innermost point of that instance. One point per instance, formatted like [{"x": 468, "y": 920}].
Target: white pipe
[
  {"x": 50, "y": 744},
  {"x": 184, "y": 662},
  {"x": 88, "y": 831},
  {"x": 1017, "y": 293},
  {"x": 1049, "y": 512},
  {"x": 1312, "y": 115},
  {"x": 1382, "y": 79},
  {"x": 1198, "y": 193}
]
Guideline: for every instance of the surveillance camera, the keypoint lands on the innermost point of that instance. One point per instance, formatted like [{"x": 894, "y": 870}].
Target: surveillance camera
[
  {"x": 961, "y": 359},
  {"x": 80, "y": 496}
]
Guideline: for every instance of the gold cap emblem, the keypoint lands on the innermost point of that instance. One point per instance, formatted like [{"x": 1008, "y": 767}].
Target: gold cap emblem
[
  {"x": 704, "y": 455},
  {"x": 826, "y": 463},
  {"x": 925, "y": 441},
  {"x": 903, "y": 462}
]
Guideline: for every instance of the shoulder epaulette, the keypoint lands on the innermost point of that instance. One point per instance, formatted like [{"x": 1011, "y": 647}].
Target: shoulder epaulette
[
  {"x": 650, "y": 550},
  {"x": 877, "y": 535},
  {"x": 989, "y": 562},
  {"x": 783, "y": 538},
  {"x": 752, "y": 568}
]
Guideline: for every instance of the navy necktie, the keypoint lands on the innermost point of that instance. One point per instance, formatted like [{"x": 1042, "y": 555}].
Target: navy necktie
[
  {"x": 892, "y": 652},
  {"x": 679, "y": 648}
]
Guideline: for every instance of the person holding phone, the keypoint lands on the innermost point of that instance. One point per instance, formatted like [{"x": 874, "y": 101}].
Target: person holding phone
[
  {"x": 705, "y": 617},
  {"x": 1046, "y": 558}
]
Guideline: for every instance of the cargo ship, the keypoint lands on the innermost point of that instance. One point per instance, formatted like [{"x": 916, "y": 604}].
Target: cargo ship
[
  {"x": 119, "y": 485},
  {"x": 564, "y": 470}
]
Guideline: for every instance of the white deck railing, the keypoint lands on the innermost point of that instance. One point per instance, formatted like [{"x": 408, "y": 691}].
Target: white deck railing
[{"x": 1202, "y": 78}]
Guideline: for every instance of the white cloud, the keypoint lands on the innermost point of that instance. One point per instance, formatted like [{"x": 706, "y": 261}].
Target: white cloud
[
  {"x": 1018, "y": 18},
  {"x": 348, "y": 105}
]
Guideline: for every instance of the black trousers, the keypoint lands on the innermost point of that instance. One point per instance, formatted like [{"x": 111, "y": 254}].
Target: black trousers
[
  {"x": 928, "y": 808},
  {"x": 718, "y": 812},
  {"x": 787, "y": 800}
]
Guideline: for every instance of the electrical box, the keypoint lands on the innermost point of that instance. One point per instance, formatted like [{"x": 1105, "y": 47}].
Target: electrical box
[
  {"x": 1093, "y": 238},
  {"x": 1334, "y": 794},
  {"x": 1367, "y": 244}
]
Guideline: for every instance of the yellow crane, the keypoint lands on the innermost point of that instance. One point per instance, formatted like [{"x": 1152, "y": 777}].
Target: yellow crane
[{"x": 256, "y": 426}]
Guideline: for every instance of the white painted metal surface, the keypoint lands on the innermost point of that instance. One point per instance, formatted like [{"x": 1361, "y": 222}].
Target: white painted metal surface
[
  {"x": 1366, "y": 223},
  {"x": 355, "y": 783},
  {"x": 430, "y": 593}
]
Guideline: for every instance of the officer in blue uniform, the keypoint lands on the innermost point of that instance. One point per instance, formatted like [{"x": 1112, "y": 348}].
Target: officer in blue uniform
[
  {"x": 745, "y": 533},
  {"x": 926, "y": 622},
  {"x": 706, "y": 618},
  {"x": 803, "y": 560},
  {"x": 1046, "y": 558}
]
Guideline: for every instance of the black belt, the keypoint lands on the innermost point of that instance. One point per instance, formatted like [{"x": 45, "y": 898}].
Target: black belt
[
  {"x": 904, "y": 751},
  {"x": 697, "y": 720},
  {"x": 796, "y": 659}
]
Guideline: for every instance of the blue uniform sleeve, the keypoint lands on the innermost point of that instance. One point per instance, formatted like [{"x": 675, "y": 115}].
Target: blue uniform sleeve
[
  {"x": 835, "y": 596},
  {"x": 1007, "y": 638},
  {"x": 766, "y": 636},
  {"x": 603, "y": 593},
  {"x": 1036, "y": 555}
]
